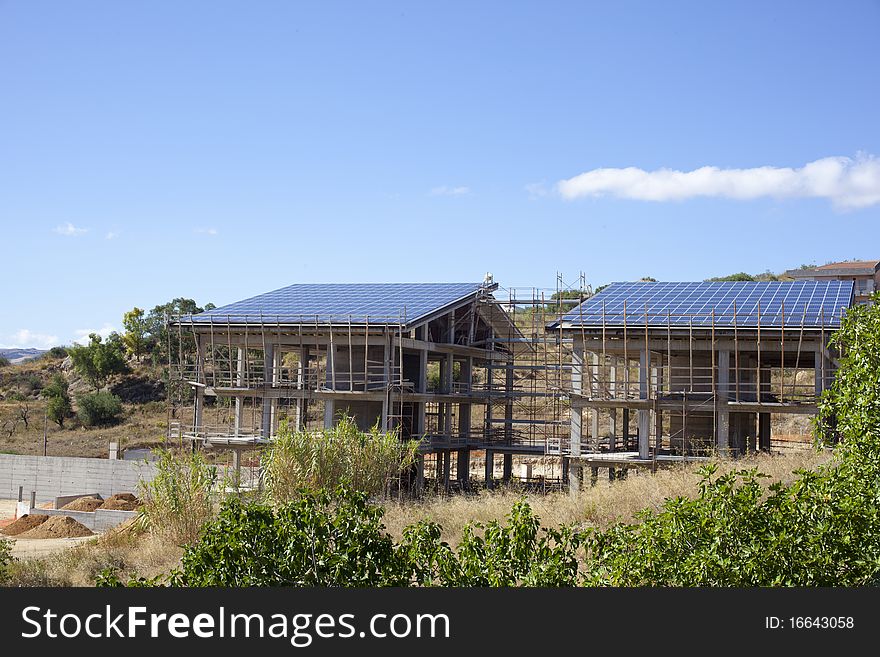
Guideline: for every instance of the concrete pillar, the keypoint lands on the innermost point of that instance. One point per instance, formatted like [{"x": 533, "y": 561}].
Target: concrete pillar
[
  {"x": 508, "y": 403},
  {"x": 239, "y": 383},
  {"x": 447, "y": 458},
  {"x": 595, "y": 393},
  {"x": 508, "y": 467},
  {"x": 644, "y": 415},
  {"x": 764, "y": 432},
  {"x": 463, "y": 467},
  {"x": 301, "y": 384},
  {"x": 266, "y": 420},
  {"x": 612, "y": 391},
  {"x": 198, "y": 408},
  {"x": 722, "y": 413},
  {"x": 625, "y": 419},
  {"x": 387, "y": 361},
  {"x": 577, "y": 388},
  {"x": 329, "y": 408},
  {"x": 819, "y": 379},
  {"x": 420, "y": 474},
  {"x": 489, "y": 473}
]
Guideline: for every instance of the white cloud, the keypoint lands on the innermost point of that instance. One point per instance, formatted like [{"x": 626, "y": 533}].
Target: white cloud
[
  {"x": 24, "y": 339},
  {"x": 112, "y": 235},
  {"x": 69, "y": 230},
  {"x": 446, "y": 190},
  {"x": 848, "y": 183},
  {"x": 82, "y": 335},
  {"x": 205, "y": 231}
]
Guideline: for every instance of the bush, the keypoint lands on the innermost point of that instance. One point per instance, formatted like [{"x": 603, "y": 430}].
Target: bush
[
  {"x": 329, "y": 458},
  {"x": 178, "y": 502},
  {"x": 99, "y": 360},
  {"x": 6, "y": 558},
  {"x": 99, "y": 409},
  {"x": 58, "y": 407},
  {"x": 4, "y": 361},
  {"x": 321, "y": 539},
  {"x": 55, "y": 353}
]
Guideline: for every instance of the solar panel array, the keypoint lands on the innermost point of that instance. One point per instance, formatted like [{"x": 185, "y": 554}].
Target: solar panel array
[
  {"x": 809, "y": 304},
  {"x": 382, "y": 303}
]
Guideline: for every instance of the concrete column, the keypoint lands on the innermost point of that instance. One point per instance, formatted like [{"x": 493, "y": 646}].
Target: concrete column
[
  {"x": 612, "y": 390},
  {"x": 329, "y": 411},
  {"x": 463, "y": 467},
  {"x": 595, "y": 394},
  {"x": 198, "y": 408},
  {"x": 577, "y": 389},
  {"x": 420, "y": 474},
  {"x": 764, "y": 432},
  {"x": 447, "y": 458},
  {"x": 625, "y": 414},
  {"x": 723, "y": 414},
  {"x": 644, "y": 415},
  {"x": 239, "y": 383},
  {"x": 819, "y": 365},
  {"x": 572, "y": 467},
  {"x": 508, "y": 403},
  {"x": 302, "y": 371},
  {"x": 508, "y": 467},
  {"x": 266, "y": 420},
  {"x": 387, "y": 359},
  {"x": 489, "y": 473}
]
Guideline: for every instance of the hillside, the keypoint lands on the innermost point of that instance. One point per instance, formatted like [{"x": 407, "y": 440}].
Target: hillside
[
  {"x": 23, "y": 410},
  {"x": 16, "y": 356}
]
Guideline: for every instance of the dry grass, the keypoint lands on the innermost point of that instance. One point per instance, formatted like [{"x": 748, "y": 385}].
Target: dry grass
[
  {"x": 129, "y": 553},
  {"x": 599, "y": 506}
]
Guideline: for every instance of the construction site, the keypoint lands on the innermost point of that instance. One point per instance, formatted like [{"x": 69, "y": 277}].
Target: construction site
[{"x": 637, "y": 375}]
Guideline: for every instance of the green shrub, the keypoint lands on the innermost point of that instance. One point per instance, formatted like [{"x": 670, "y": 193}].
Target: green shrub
[
  {"x": 55, "y": 353},
  {"x": 178, "y": 500},
  {"x": 328, "y": 458},
  {"x": 4, "y": 361},
  {"x": 99, "y": 409},
  {"x": 58, "y": 408},
  {"x": 6, "y": 558},
  {"x": 99, "y": 360}
]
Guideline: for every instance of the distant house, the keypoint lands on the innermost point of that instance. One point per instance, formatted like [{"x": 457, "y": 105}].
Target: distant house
[{"x": 864, "y": 273}]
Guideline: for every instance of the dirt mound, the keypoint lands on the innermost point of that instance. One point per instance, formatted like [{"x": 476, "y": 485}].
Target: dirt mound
[
  {"x": 121, "y": 502},
  {"x": 58, "y": 527},
  {"x": 83, "y": 504},
  {"x": 25, "y": 523}
]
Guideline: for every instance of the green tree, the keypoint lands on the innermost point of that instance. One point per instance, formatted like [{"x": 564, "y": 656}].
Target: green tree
[
  {"x": 99, "y": 409},
  {"x": 160, "y": 339},
  {"x": 740, "y": 276},
  {"x": 99, "y": 360},
  {"x": 58, "y": 405},
  {"x": 136, "y": 337}
]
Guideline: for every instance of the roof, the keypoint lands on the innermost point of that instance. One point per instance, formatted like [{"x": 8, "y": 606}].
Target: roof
[
  {"x": 853, "y": 268},
  {"x": 340, "y": 303},
  {"x": 722, "y": 304}
]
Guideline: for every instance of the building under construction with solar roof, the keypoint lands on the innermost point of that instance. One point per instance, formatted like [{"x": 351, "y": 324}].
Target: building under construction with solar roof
[{"x": 637, "y": 375}]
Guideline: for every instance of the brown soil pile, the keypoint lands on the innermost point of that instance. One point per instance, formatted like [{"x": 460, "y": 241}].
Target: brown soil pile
[
  {"x": 25, "y": 523},
  {"x": 83, "y": 504},
  {"x": 121, "y": 502},
  {"x": 58, "y": 527}
]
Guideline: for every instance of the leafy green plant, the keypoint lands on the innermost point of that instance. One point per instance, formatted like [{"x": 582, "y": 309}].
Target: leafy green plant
[
  {"x": 6, "y": 558},
  {"x": 340, "y": 456},
  {"x": 58, "y": 406},
  {"x": 178, "y": 501},
  {"x": 98, "y": 409},
  {"x": 100, "y": 359}
]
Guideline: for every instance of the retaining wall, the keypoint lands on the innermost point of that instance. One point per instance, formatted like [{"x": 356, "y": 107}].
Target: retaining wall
[
  {"x": 57, "y": 476},
  {"x": 99, "y": 520}
]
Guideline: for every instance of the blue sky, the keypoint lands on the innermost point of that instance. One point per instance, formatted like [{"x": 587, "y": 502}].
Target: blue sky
[{"x": 216, "y": 150}]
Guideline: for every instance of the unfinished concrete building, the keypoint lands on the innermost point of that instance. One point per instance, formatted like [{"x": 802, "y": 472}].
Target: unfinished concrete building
[
  {"x": 679, "y": 370},
  {"x": 434, "y": 361}
]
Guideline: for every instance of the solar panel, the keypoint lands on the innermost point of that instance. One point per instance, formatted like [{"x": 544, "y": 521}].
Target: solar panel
[
  {"x": 725, "y": 304},
  {"x": 341, "y": 302}
]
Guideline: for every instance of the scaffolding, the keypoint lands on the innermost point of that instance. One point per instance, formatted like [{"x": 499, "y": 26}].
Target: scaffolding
[{"x": 491, "y": 378}]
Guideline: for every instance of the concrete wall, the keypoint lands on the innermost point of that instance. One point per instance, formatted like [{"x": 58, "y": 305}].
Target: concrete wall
[
  {"x": 99, "y": 520},
  {"x": 55, "y": 476}
]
